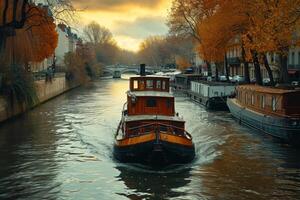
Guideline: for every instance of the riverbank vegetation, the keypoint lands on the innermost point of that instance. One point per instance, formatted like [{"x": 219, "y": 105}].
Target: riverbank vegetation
[{"x": 29, "y": 37}]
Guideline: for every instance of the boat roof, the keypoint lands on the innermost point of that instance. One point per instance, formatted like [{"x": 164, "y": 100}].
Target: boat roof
[
  {"x": 269, "y": 90},
  {"x": 149, "y": 77},
  {"x": 213, "y": 83},
  {"x": 152, "y": 117},
  {"x": 150, "y": 93}
]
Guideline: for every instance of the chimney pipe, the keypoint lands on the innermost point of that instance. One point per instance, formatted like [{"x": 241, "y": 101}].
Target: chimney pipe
[{"x": 143, "y": 69}]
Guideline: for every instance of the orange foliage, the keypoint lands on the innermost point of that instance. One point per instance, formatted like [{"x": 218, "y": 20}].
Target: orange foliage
[
  {"x": 43, "y": 34},
  {"x": 219, "y": 30},
  {"x": 35, "y": 42},
  {"x": 273, "y": 25},
  {"x": 264, "y": 26},
  {"x": 182, "y": 63}
]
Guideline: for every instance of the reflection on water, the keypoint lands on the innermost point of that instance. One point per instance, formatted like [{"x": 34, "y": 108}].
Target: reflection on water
[{"x": 63, "y": 150}]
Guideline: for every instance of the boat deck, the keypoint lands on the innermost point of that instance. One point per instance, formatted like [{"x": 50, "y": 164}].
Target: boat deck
[{"x": 152, "y": 117}]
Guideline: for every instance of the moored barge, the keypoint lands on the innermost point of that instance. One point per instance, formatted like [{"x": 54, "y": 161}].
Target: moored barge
[
  {"x": 272, "y": 111},
  {"x": 150, "y": 131},
  {"x": 212, "y": 95}
]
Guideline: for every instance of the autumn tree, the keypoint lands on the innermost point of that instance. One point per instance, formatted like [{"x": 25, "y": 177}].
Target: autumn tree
[
  {"x": 96, "y": 34},
  {"x": 274, "y": 29},
  {"x": 220, "y": 31},
  {"x": 186, "y": 15},
  {"x": 36, "y": 41},
  {"x": 163, "y": 50}
]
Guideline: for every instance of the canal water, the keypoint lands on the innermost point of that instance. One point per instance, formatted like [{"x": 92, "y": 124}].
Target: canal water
[{"x": 63, "y": 150}]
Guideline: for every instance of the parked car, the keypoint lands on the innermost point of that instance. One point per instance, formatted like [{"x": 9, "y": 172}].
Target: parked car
[
  {"x": 238, "y": 79},
  {"x": 296, "y": 83},
  {"x": 266, "y": 81},
  {"x": 253, "y": 80},
  {"x": 224, "y": 78}
]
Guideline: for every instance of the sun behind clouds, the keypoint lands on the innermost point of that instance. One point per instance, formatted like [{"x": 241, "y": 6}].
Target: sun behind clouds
[{"x": 130, "y": 21}]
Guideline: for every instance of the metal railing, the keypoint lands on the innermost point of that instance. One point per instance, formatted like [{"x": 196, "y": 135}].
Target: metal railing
[{"x": 154, "y": 128}]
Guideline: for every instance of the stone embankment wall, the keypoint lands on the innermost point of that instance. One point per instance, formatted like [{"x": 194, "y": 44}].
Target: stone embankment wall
[{"x": 45, "y": 91}]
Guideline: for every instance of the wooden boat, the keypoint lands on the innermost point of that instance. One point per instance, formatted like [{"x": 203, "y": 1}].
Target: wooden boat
[
  {"x": 272, "y": 111},
  {"x": 150, "y": 132}
]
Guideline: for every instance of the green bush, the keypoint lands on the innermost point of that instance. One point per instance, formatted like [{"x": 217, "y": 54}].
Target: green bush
[{"x": 17, "y": 84}]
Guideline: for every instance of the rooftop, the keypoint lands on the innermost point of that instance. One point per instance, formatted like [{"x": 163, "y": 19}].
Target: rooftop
[
  {"x": 212, "y": 83},
  {"x": 150, "y": 94},
  {"x": 270, "y": 90}
]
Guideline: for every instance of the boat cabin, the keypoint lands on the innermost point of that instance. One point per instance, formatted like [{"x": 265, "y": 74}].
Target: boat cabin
[
  {"x": 150, "y": 105},
  {"x": 150, "y": 96},
  {"x": 270, "y": 101},
  {"x": 212, "y": 89},
  {"x": 183, "y": 81}
]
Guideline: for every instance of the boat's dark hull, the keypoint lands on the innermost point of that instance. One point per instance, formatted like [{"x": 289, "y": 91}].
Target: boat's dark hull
[
  {"x": 155, "y": 153},
  {"x": 286, "y": 129},
  {"x": 214, "y": 103}
]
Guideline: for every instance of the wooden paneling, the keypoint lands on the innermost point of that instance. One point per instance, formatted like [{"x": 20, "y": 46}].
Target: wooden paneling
[
  {"x": 162, "y": 106},
  {"x": 271, "y": 102}
]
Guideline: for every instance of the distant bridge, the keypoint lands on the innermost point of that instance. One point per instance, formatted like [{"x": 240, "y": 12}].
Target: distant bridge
[{"x": 117, "y": 70}]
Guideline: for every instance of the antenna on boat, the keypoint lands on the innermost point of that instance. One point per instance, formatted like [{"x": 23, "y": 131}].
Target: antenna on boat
[{"x": 143, "y": 69}]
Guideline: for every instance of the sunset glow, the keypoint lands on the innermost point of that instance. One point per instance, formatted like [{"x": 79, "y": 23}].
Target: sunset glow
[{"x": 129, "y": 21}]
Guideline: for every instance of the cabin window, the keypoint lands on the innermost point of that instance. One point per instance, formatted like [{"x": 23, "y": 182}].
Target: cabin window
[
  {"x": 263, "y": 103},
  {"x": 158, "y": 84},
  {"x": 135, "y": 85},
  {"x": 142, "y": 84},
  {"x": 168, "y": 103},
  {"x": 151, "y": 102},
  {"x": 274, "y": 103},
  {"x": 149, "y": 84},
  {"x": 252, "y": 99},
  {"x": 163, "y": 85}
]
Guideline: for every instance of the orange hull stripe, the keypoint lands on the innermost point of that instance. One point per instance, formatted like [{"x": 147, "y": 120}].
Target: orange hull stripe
[
  {"x": 175, "y": 139},
  {"x": 151, "y": 137},
  {"x": 136, "y": 140}
]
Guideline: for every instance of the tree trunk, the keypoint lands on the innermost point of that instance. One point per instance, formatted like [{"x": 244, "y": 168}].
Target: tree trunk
[
  {"x": 284, "y": 77},
  {"x": 256, "y": 68},
  {"x": 226, "y": 68},
  {"x": 209, "y": 72},
  {"x": 217, "y": 72},
  {"x": 246, "y": 66},
  {"x": 270, "y": 73}
]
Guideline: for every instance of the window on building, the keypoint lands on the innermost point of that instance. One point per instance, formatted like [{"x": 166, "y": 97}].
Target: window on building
[
  {"x": 263, "y": 103},
  {"x": 151, "y": 102},
  {"x": 163, "y": 85},
  {"x": 293, "y": 58},
  {"x": 142, "y": 84},
  {"x": 252, "y": 99},
  {"x": 149, "y": 84},
  {"x": 274, "y": 103},
  {"x": 158, "y": 84},
  {"x": 246, "y": 98},
  {"x": 135, "y": 85}
]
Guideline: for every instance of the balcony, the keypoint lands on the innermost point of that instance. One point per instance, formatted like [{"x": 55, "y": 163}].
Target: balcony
[
  {"x": 294, "y": 66},
  {"x": 234, "y": 61}
]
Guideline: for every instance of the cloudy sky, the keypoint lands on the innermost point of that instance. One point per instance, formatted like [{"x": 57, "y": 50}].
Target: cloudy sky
[{"x": 130, "y": 21}]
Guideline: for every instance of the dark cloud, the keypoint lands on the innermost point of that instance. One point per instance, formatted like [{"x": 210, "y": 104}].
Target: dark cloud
[
  {"x": 113, "y": 4},
  {"x": 141, "y": 27}
]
